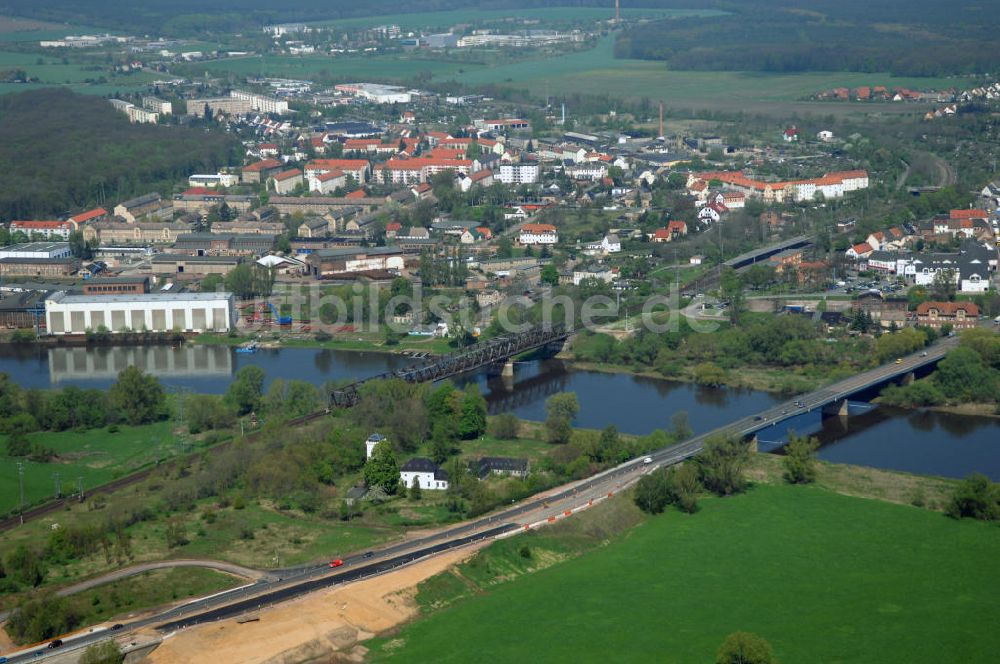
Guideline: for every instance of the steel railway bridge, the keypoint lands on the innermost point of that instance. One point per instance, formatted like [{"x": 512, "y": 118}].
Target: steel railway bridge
[{"x": 497, "y": 351}]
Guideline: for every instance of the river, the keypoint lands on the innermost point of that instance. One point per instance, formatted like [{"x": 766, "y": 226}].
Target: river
[{"x": 913, "y": 441}]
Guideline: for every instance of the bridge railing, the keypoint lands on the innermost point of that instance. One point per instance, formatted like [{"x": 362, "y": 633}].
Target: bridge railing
[{"x": 495, "y": 350}]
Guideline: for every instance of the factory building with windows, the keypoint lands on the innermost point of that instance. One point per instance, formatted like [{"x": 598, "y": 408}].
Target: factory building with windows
[{"x": 152, "y": 312}]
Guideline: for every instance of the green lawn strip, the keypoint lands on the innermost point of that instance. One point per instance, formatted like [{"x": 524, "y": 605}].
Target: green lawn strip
[
  {"x": 148, "y": 590},
  {"x": 823, "y": 577}
]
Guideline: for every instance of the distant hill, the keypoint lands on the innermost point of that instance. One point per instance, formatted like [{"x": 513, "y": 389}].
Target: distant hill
[
  {"x": 61, "y": 152},
  {"x": 187, "y": 17},
  {"x": 904, "y": 37}
]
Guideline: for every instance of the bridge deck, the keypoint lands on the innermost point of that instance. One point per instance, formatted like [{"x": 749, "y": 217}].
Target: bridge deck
[{"x": 831, "y": 394}]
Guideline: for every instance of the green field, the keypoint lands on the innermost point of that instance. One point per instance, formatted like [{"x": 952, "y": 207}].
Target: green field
[
  {"x": 823, "y": 577},
  {"x": 96, "y": 455},
  {"x": 547, "y": 15},
  {"x": 52, "y": 71},
  {"x": 597, "y": 72}
]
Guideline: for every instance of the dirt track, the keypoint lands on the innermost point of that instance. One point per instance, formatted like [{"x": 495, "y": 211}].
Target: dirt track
[{"x": 312, "y": 628}]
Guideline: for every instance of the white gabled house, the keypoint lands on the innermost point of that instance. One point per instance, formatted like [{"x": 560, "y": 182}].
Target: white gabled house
[{"x": 427, "y": 474}]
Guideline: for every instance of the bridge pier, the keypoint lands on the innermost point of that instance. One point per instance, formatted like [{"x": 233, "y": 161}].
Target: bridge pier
[
  {"x": 508, "y": 369},
  {"x": 907, "y": 379},
  {"x": 836, "y": 409},
  {"x": 754, "y": 444}
]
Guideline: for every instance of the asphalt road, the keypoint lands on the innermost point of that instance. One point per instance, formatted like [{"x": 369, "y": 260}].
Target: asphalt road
[{"x": 560, "y": 502}]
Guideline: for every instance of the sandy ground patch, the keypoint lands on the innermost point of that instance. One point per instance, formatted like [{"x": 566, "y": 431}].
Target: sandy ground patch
[{"x": 311, "y": 628}]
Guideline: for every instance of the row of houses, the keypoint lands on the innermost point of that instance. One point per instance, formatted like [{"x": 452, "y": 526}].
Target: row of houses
[
  {"x": 970, "y": 269},
  {"x": 833, "y": 185}
]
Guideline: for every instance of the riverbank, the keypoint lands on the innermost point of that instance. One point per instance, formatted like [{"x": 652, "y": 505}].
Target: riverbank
[{"x": 774, "y": 381}]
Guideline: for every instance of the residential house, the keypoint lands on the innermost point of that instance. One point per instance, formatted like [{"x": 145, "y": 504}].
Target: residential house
[
  {"x": 859, "y": 251},
  {"x": 44, "y": 229},
  {"x": 959, "y": 315},
  {"x": 675, "y": 229},
  {"x": 285, "y": 182},
  {"x": 598, "y": 272},
  {"x": 425, "y": 473},
  {"x": 538, "y": 234},
  {"x": 487, "y": 467},
  {"x": 260, "y": 171}
]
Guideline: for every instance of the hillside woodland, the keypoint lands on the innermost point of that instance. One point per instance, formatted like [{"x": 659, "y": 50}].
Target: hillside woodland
[{"x": 62, "y": 152}]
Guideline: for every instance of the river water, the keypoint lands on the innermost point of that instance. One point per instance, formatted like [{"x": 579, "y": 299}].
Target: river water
[{"x": 912, "y": 441}]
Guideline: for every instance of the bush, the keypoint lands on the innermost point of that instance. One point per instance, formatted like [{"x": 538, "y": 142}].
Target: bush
[
  {"x": 504, "y": 426},
  {"x": 800, "y": 459},
  {"x": 41, "y": 619},
  {"x": 721, "y": 465},
  {"x": 322, "y": 336},
  {"x": 105, "y": 652},
  {"x": 976, "y": 498},
  {"x": 744, "y": 648}
]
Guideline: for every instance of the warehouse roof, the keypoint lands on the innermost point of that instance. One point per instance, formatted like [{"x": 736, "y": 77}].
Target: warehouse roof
[{"x": 65, "y": 298}]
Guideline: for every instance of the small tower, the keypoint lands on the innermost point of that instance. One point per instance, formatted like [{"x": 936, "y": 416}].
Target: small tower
[{"x": 370, "y": 444}]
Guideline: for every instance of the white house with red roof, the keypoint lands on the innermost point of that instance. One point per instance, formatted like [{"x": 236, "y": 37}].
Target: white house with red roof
[
  {"x": 859, "y": 251},
  {"x": 285, "y": 182},
  {"x": 46, "y": 229},
  {"x": 542, "y": 234}
]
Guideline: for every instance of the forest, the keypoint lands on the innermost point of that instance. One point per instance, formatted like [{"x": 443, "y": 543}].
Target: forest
[
  {"x": 906, "y": 38},
  {"x": 189, "y": 17},
  {"x": 62, "y": 152}
]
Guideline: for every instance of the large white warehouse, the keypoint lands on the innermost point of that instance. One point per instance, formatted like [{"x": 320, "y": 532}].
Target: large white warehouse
[{"x": 153, "y": 312}]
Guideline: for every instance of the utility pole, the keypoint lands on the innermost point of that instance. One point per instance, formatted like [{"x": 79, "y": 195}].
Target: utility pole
[
  {"x": 20, "y": 479},
  {"x": 55, "y": 479},
  {"x": 79, "y": 487}
]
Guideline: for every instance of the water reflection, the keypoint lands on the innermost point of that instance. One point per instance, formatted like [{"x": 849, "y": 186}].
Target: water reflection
[{"x": 921, "y": 442}]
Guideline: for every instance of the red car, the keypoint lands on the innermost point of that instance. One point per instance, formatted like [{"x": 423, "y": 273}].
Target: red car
[{"x": 336, "y": 563}]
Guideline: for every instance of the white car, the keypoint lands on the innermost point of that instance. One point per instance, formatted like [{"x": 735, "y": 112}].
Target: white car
[{"x": 648, "y": 460}]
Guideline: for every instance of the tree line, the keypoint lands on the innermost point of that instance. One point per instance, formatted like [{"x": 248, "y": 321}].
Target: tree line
[
  {"x": 62, "y": 152},
  {"x": 135, "y": 398}
]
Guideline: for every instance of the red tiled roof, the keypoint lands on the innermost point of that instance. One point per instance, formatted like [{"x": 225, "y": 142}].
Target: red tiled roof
[
  {"x": 84, "y": 217},
  {"x": 968, "y": 214},
  {"x": 201, "y": 191},
  {"x": 40, "y": 224},
  {"x": 263, "y": 165},
  {"x": 287, "y": 175},
  {"x": 330, "y": 175},
  {"x": 357, "y": 193},
  {"x": 538, "y": 228},
  {"x": 337, "y": 164},
  {"x": 948, "y": 308}
]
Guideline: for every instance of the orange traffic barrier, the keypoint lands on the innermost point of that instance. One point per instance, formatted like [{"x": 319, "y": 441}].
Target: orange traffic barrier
[
  {"x": 552, "y": 519},
  {"x": 527, "y": 527},
  {"x": 567, "y": 512},
  {"x": 610, "y": 493},
  {"x": 590, "y": 502}
]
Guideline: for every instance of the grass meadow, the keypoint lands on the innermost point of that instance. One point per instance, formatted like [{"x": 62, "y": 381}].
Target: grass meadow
[
  {"x": 823, "y": 577},
  {"x": 97, "y": 455}
]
